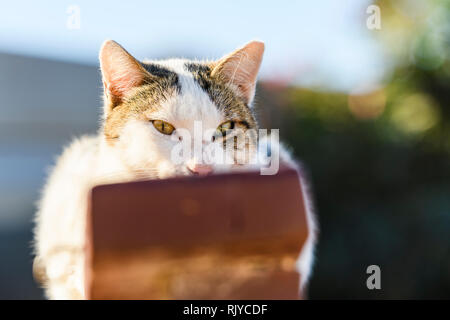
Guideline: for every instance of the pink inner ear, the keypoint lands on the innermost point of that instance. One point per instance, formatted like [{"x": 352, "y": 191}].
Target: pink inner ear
[
  {"x": 119, "y": 86},
  {"x": 121, "y": 72},
  {"x": 241, "y": 68}
]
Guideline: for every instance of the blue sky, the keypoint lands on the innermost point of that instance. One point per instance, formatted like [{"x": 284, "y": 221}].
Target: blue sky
[{"x": 312, "y": 43}]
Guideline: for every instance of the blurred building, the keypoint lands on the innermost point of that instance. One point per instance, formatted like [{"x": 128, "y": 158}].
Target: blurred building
[{"x": 43, "y": 105}]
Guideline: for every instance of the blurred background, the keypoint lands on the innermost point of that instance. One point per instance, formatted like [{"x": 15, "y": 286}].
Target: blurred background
[{"x": 360, "y": 93}]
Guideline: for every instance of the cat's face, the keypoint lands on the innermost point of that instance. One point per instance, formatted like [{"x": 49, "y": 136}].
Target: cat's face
[{"x": 179, "y": 117}]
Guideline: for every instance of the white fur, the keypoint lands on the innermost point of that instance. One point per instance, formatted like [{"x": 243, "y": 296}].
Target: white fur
[
  {"x": 140, "y": 152},
  {"x": 305, "y": 261}
]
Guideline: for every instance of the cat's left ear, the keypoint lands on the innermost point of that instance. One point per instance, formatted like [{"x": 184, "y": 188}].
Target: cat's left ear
[
  {"x": 121, "y": 73},
  {"x": 240, "y": 69}
]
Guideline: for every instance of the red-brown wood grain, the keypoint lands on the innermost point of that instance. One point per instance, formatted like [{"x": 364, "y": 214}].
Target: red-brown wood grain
[{"x": 233, "y": 236}]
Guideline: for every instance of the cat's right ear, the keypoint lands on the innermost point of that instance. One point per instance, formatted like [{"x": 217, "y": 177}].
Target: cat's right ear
[{"x": 121, "y": 73}]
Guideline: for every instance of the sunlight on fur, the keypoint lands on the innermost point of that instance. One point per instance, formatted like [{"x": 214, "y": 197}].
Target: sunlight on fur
[{"x": 129, "y": 147}]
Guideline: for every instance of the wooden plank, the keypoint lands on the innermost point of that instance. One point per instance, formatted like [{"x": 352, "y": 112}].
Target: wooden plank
[{"x": 233, "y": 236}]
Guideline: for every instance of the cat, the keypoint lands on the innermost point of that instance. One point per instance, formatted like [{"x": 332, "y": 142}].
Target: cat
[{"x": 147, "y": 105}]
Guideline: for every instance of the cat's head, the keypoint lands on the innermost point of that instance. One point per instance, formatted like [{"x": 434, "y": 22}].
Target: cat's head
[{"x": 156, "y": 110}]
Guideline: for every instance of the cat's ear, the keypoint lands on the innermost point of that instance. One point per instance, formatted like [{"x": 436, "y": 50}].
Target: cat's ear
[
  {"x": 120, "y": 71},
  {"x": 240, "y": 68}
]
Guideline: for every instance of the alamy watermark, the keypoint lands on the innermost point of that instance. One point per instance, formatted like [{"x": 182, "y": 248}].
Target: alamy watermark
[
  {"x": 239, "y": 147},
  {"x": 374, "y": 280},
  {"x": 373, "y": 21},
  {"x": 73, "y": 21}
]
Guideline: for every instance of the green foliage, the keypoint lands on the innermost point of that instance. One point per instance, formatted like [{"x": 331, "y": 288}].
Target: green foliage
[{"x": 379, "y": 165}]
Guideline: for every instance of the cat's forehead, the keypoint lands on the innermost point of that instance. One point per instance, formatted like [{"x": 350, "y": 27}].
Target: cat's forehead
[
  {"x": 198, "y": 92},
  {"x": 189, "y": 102},
  {"x": 176, "y": 65}
]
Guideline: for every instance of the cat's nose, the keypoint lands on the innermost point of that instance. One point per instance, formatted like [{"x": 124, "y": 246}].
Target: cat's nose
[{"x": 200, "y": 169}]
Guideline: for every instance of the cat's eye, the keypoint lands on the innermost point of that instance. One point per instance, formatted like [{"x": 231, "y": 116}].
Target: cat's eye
[
  {"x": 163, "y": 127},
  {"x": 224, "y": 128}
]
